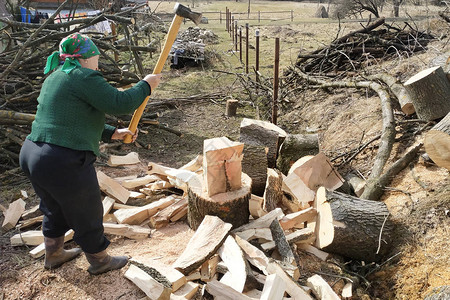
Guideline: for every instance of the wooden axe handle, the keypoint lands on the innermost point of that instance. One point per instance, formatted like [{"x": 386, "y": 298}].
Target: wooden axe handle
[{"x": 170, "y": 39}]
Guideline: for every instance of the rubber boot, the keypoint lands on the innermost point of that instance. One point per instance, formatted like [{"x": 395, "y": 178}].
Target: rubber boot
[
  {"x": 55, "y": 255},
  {"x": 101, "y": 262}
]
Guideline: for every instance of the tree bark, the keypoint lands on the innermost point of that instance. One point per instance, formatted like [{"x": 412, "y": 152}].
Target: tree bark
[
  {"x": 231, "y": 107},
  {"x": 231, "y": 207},
  {"x": 430, "y": 93},
  {"x": 254, "y": 164},
  {"x": 362, "y": 229}
]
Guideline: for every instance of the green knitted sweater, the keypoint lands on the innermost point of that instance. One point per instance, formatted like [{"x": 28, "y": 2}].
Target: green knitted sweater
[{"x": 71, "y": 109}]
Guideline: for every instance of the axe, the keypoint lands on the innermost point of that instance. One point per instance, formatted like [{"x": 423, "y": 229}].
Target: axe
[{"x": 181, "y": 12}]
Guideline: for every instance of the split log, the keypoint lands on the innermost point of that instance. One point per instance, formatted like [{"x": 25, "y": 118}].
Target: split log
[
  {"x": 177, "y": 177},
  {"x": 264, "y": 221},
  {"x": 224, "y": 292},
  {"x": 30, "y": 238},
  {"x": 131, "y": 158},
  {"x": 322, "y": 255},
  {"x": 13, "y": 213},
  {"x": 260, "y": 233},
  {"x": 162, "y": 217},
  {"x": 254, "y": 256},
  {"x": 294, "y": 147},
  {"x": 112, "y": 188},
  {"x": 279, "y": 238},
  {"x": 129, "y": 231},
  {"x": 231, "y": 107},
  {"x": 300, "y": 193},
  {"x": 40, "y": 250},
  {"x": 362, "y": 228},
  {"x": 273, "y": 194},
  {"x": 231, "y": 207},
  {"x": 321, "y": 288},
  {"x": 31, "y": 213},
  {"x": 204, "y": 243},
  {"x": 356, "y": 183},
  {"x": 347, "y": 290},
  {"x": 108, "y": 204},
  {"x": 324, "y": 229},
  {"x": 152, "y": 288},
  {"x": 194, "y": 165},
  {"x": 208, "y": 270},
  {"x": 262, "y": 133},
  {"x": 254, "y": 164},
  {"x": 136, "y": 216},
  {"x": 255, "y": 205},
  {"x": 298, "y": 236},
  {"x": 298, "y": 218},
  {"x": 231, "y": 254},
  {"x": 222, "y": 167},
  {"x": 430, "y": 91},
  {"x": 187, "y": 291},
  {"x": 292, "y": 288},
  {"x": 274, "y": 288},
  {"x": 30, "y": 222},
  {"x": 437, "y": 143}
]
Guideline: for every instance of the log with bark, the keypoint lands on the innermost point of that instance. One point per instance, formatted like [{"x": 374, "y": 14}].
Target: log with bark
[
  {"x": 437, "y": 142},
  {"x": 294, "y": 147}
]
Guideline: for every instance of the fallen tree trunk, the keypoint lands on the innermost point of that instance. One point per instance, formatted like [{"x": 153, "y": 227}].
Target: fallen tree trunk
[
  {"x": 294, "y": 147},
  {"x": 362, "y": 228},
  {"x": 437, "y": 143}
]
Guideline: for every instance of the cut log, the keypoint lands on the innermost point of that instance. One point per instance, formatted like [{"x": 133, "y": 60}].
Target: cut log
[
  {"x": 112, "y": 188},
  {"x": 294, "y": 147},
  {"x": 162, "y": 217},
  {"x": 429, "y": 91},
  {"x": 314, "y": 251},
  {"x": 30, "y": 238},
  {"x": 231, "y": 207},
  {"x": 318, "y": 171},
  {"x": 297, "y": 236},
  {"x": 437, "y": 143},
  {"x": 231, "y": 254},
  {"x": 299, "y": 192},
  {"x": 187, "y": 291},
  {"x": 254, "y": 164},
  {"x": 204, "y": 243},
  {"x": 131, "y": 158},
  {"x": 298, "y": 218},
  {"x": 362, "y": 229},
  {"x": 321, "y": 288},
  {"x": 255, "y": 256},
  {"x": 357, "y": 184},
  {"x": 224, "y": 292},
  {"x": 13, "y": 213},
  {"x": 292, "y": 288},
  {"x": 108, "y": 204},
  {"x": 262, "y": 133},
  {"x": 273, "y": 194},
  {"x": 222, "y": 167},
  {"x": 274, "y": 288},
  {"x": 264, "y": 221},
  {"x": 136, "y": 216},
  {"x": 324, "y": 229},
  {"x": 152, "y": 288},
  {"x": 129, "y": 231},
  {"x": 140, "y": 181},
  {"x": 255, "y": 206},
  {"x": 279, "y": 238},
  {"x": 231, "y": 107}
]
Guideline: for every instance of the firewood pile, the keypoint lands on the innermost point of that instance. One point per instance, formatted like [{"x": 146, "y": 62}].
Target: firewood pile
[
  {"x": 361, "y": 48},
  {"x": 245, "y": 246},
  {"x": 191, "y": 43}
]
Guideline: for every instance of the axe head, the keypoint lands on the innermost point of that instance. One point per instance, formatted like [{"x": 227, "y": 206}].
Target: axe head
[{"x": 185, "y": 12}]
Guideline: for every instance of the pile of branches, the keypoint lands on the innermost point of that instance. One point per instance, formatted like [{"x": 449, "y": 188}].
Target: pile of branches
[
  {"x": 358, "y": 49},
  {"x": 28, "y": 45}
]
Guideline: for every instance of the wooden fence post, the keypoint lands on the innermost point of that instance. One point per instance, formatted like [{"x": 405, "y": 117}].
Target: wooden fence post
[
  {"x": 246, "y": 48},
  {"x": 257, "y": 53},
  {"x": 292, "y": 15},
  {"x": 235, "y": 36},
  {"x": 220, "y": 17},
  {"x": 259, "y": 16},
  {"x": 232, "y": 28},
  {"x": 275, "y": 81},
  {"x": 240, "y": 43},
  {"x": 226, "y": 19}
]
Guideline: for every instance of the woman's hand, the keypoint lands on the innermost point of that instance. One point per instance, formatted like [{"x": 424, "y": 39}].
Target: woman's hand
[
  {"x": 121, "y": 133},
  {"x": 153, "y": 80}
]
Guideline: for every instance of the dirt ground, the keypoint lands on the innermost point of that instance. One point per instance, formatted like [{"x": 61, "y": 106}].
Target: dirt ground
[{"x": 419, "y": 199}]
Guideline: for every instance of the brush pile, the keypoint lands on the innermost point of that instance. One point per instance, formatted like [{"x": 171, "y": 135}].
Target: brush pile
[{"x": 362, "y": 48}]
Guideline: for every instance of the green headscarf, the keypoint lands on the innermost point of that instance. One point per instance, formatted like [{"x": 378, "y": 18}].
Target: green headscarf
[{"x": 71, "y": 47}]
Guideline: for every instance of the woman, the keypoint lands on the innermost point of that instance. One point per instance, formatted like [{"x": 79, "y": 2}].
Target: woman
[{"x": 58, "y": 156}]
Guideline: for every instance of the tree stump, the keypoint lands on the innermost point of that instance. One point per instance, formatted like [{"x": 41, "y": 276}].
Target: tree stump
[
  {"x": 294, "y": 147},
  {"x": 437, "y": 143},
  {"x": 362, "y": 228},
  {"x": 262, "y": 133},
  {"x": 430, "y": 93},
  {"x": 231, "y": 107},
  {"x": 254, "y": 164},
  {"x": 231, "y": 207}
]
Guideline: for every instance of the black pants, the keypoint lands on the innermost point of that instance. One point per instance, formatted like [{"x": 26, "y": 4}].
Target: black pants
[{"x": 66, "y": 182}]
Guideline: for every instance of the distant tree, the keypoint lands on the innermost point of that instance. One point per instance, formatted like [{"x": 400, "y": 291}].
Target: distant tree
[{"x": 346, "y": 8}]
